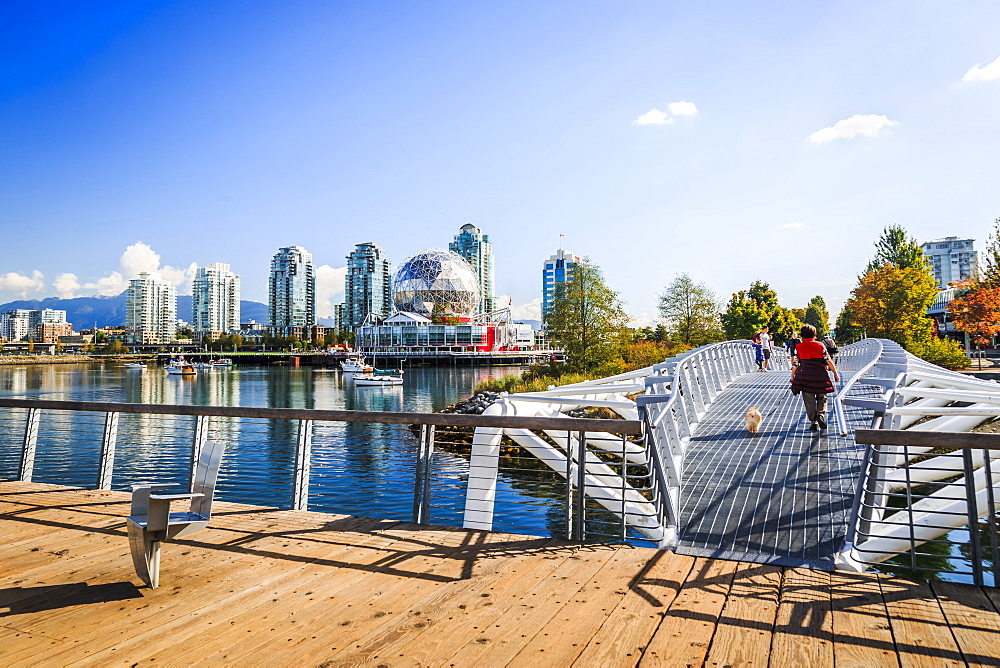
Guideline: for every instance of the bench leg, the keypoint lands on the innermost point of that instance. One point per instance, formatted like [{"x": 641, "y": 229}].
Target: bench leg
[{"x": 145, "y": 555}]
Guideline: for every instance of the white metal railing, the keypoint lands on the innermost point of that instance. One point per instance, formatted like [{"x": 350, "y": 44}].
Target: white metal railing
[
  {"x": 866, "y": 353},
  {"x": 674, "y": 396},
  {"x": 915, "y": 489}
]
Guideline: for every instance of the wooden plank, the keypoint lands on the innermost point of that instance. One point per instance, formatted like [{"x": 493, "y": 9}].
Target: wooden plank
[
  {"x": 918, "y": 626},
  {"x": 561, "y": 640},
  {"x": 862, "y": 636},
  {"x": 974, "y": 621},
  {"x": 958, "y": 440},
  {"x": 499, "y": 633},
  {"x": 686, "y": 631},
  {"x": 175, "y": 626},
  {"x": 413, "y": 618},
  {"x": 207, "y": 580},
  {"x": 803, "y": 627},
  {"x": 743, "y": 634},
  {"x": 369, "y": 601},
  {"x": 627, "y": 630},
  {"x": 379, "y": 417}
]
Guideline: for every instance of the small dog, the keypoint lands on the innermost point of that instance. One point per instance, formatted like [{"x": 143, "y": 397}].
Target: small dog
[{"x": 753, "y": 420}]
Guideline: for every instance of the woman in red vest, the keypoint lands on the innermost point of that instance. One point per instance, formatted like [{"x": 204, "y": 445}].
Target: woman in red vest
[{"x": 810, "y": 376}]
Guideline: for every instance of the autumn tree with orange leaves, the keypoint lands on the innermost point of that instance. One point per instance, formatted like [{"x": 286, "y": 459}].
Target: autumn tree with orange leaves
[
  {"x": 891, "y": 302},
  {"x": 977, "y": 312}
]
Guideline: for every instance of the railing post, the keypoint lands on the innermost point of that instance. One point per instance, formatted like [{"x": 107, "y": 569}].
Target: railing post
[
  {"x": 972, "y": 511},
  {"x": 303, "y": 457},
  {"x": 568, "y": 501},
  {"x": 197, "y": 443},
  {"x": 422, "y": 477},
  {"x": 28, "y": 444},
  {"x": 581, "y": 487},
  {"x": 107, "y": 465}
]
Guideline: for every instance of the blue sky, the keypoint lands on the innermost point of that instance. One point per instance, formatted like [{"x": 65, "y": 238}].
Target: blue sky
[{"x": 220, "y": 131}]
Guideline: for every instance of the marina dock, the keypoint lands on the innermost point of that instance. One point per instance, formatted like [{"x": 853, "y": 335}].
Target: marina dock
[{"x": 268, "y": 587}]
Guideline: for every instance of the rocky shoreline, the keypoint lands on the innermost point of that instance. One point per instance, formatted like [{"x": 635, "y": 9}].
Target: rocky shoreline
[{"x": 47, "y": 359}]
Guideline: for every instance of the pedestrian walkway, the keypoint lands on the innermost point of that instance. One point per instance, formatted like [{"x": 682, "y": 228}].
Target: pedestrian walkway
[{"x": 782, "y": 496}]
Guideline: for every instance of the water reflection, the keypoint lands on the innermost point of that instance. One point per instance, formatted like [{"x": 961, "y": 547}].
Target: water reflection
[{"x": 364, "y": 469}]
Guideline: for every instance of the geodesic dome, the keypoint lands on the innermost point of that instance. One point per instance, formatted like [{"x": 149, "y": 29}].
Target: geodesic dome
[{"x": 436, "y": 282}]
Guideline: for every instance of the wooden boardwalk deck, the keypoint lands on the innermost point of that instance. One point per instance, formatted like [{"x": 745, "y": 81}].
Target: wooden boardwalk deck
[
  {"x": 268, "y": 587},
  {"x": 781, "y": 496}
]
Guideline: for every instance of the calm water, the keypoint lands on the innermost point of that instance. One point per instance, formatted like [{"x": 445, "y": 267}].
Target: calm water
[{"x": 357, "y": 469}]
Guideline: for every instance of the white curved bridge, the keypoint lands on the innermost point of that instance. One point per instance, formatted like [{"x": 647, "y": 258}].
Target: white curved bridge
[{"x": 787, "y": 495}]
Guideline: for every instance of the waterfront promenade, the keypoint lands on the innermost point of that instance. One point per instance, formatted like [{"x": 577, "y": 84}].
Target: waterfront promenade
[{"x": 268, "y": 587}]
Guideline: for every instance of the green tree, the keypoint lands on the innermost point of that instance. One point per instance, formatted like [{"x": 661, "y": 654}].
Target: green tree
[
  {"x": 743, "y": 317},
  {"x": 586, "y": 319},
  {"x": 691, "y": 311},
  {"x": 848, "y": 330},
  {"x": 748, "y": 311},
  {"x": 820, "y": 318},
  {"x": 990, "y": 275},
  {"x": 891, "y": 303},
  {"x": 896, "y": 248},
  {"x": 114, "y": 347}
]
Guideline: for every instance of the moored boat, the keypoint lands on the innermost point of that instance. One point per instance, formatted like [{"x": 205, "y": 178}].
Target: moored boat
[
  {"x": 355, "y": 363},
  {"x": 136, "y": 365},
  {"x": 377, "y": 380},
  {"x": 181, "y": 368}
]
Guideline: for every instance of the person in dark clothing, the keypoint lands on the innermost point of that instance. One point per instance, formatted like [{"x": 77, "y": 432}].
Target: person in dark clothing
[
  {"x": 810, "y": 376},
  {"x": 793, "y": 340}
]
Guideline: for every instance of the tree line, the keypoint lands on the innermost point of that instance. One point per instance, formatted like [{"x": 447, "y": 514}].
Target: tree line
[{"x": 890, "y": 300}]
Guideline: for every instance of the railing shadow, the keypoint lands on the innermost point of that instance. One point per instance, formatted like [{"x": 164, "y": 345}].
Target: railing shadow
[{"x": 27, "y": 600}]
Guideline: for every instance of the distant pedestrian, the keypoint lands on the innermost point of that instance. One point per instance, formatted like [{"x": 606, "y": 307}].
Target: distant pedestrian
[
  {"x": 793, "y": 340},
  {"x": 831, "y": 345},
  {"x": 766, "y": 346},
  {"x": 810, "y": 376}
]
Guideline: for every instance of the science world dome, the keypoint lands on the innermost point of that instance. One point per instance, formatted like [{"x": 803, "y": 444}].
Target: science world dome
[{"x": 436, "y": 282}]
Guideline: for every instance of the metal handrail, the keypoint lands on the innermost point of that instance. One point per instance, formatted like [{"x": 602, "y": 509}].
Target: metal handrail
[
  {"x": 666, "y": 403},
  {"x": 318, "y": 415},
  {"x": 847, "y": 386}
]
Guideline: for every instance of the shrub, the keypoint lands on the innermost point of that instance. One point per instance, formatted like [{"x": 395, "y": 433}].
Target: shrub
[{"x": 943, "y": 352}]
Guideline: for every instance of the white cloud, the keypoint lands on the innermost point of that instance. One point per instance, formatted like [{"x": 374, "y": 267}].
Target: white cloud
[
  {"x": 22, "y": 285},
  {"x": 135, "y": 259},
  {"x": 866, "y": 125},
  {"x": 530, "y": 311},
  {"x": 109, "y": 286},
  {"x": 653, "y": 117},
  {"x": 789, "y": 226},
  {"x": 329, "y": 288},
  {"x": 658, "y": 117},
  {"x": 642, "y": 320},
  {"x": 66, "y": 285},
  {"x": 682, "y": 108},
  {"x": 989, "y": 73}
]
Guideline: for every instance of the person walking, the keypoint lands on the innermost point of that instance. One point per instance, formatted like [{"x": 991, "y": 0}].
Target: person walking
[
  {"x": 793, "y": 340},
  {"x": 766, "y": 346},
  {"x": 811, "y": 378}
]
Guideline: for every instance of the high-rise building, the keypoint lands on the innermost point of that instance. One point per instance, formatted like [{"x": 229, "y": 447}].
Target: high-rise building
[
  {"x": 557, "y": 269},
  {"x": 952, "y": 259},
  {"x": 368, "y": 286},
  {"x": 43, "y": 326},
  {"x": 151, "y": 310},
  {"x": 15, "y": 325},
  {"x": 216, "y": 301},
  {"x": 292, "y": 291},
  {"x": 476, "y": 249}
]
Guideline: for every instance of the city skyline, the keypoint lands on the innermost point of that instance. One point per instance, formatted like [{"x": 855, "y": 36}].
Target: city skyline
[{"x": 724, "y": 141}]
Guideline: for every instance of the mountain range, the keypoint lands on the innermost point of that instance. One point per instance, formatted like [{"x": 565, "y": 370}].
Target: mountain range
[{"x": 85, "y": 312}]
